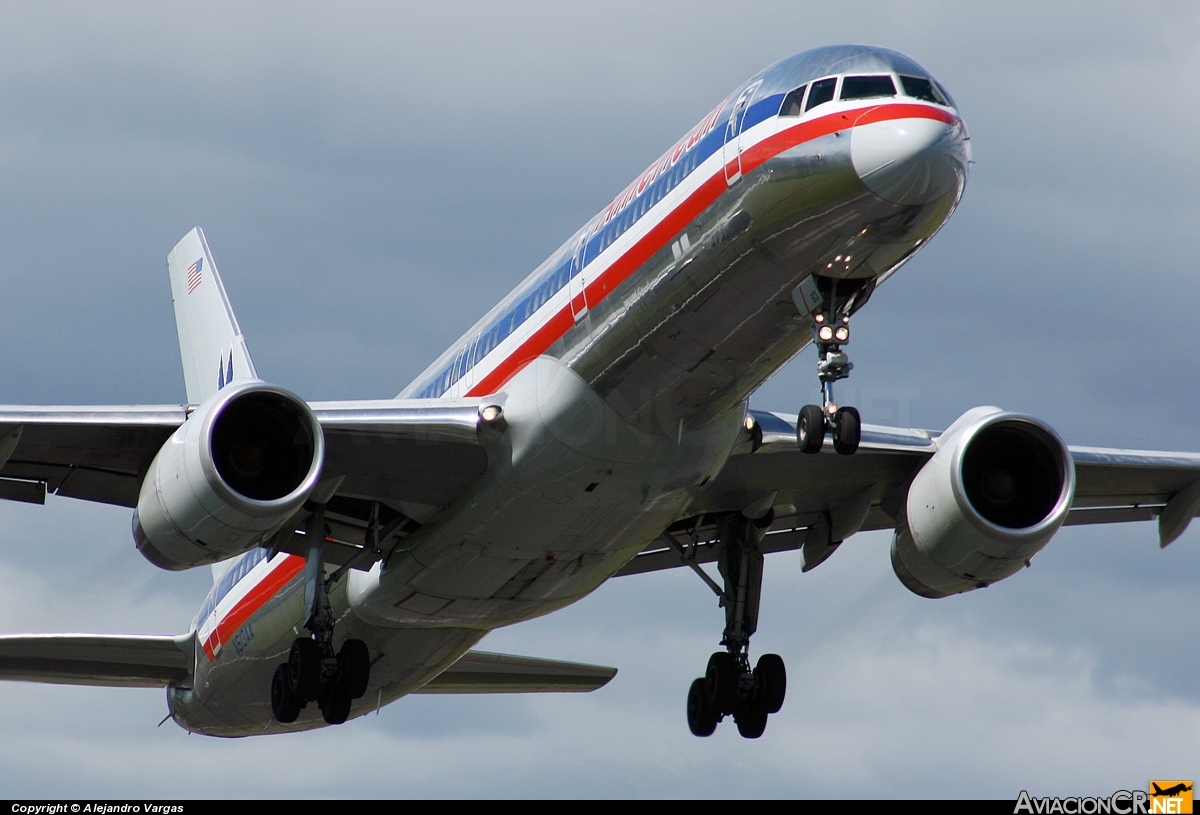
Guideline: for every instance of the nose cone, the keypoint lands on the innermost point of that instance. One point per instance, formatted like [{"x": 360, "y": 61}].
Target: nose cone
[{"x": 910, "y": 161}]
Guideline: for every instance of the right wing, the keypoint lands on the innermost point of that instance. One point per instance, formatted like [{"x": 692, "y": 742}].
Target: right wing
[
  {"x": 395, "y": 463},
  {"x": 419, "y": 451},
  {"x": 111, "y": 660}
]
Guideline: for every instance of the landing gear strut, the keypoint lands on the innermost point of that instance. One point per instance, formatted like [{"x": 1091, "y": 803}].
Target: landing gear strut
[
  {"x": 730, "y": 687},
  {"x": 831, "y": 330},
  {"x": 314, "y": 671}
]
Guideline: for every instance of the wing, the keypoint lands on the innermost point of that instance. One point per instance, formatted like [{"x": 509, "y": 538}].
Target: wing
[
  {"x": 98, "y": 659},
  {"x": 395, "y": 463},
  {"x": 418, "y": 451},
  {"x": 483, "y": 672},
  {"x": 866, "y": 491}
]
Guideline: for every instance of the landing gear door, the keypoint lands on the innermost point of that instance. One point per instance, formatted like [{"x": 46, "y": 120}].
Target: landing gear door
[
  {"x": 733, "y": 134},
  {"x": 578, "y": 285}
]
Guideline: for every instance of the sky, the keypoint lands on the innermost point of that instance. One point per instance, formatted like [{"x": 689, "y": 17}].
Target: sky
[{"x": 373, "y": 177}]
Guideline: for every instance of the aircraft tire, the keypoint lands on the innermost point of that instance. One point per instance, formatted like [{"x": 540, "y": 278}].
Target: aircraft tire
[
  {"x": 847, "y": 431},
  {"x": 285, "y": 707},
  {"x": 810, "y": 429},
  {"x": 701, "y": 716},
  {"x": 304, "y": 669},
  {"x": 356, "y": 667},
  {"x": 751, "y": 718},
  {"x": 721, "y": 682},
  {"x": 772, "y": 680},
  {"x": 335, "y": 704}
]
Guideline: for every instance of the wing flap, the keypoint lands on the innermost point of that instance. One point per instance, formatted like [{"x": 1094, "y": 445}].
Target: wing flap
[
  {"x": 484, "y": 672},
  {"x": 113, "y": 660}
]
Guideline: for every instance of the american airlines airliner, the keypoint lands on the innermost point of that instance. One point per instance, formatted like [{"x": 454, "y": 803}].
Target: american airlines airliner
[{"x": 595, "y": 423}]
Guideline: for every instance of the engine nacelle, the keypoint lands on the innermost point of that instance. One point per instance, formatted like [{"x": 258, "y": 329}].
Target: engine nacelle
[
  {"x": 996, "y": 491},
  {"x": 229, "y": 477}
]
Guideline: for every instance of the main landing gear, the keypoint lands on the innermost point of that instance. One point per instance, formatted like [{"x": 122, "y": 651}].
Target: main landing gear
[
  {"x": 314, "y": 671},
  {"x": 831, "y": 330},
  {"x": 730, "y": 687}
]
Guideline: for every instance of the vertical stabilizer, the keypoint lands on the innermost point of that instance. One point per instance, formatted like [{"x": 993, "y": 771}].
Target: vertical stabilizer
[{"x": 210, "y": 342}]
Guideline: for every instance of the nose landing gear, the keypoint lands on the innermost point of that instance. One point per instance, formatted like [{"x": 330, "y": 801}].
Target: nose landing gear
[
  {"x": 831, "y": 331},
  {"x": 730, "y": 687}
]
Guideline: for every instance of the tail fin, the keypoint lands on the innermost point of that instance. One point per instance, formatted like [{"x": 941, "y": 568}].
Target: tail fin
[{"x": 211, "y": 343}]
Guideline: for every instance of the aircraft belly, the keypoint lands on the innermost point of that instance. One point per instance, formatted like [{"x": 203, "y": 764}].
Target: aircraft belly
[
  {"x": 231, "y": 692},
  {"x": 576, "y": 494},
  {"x": 690, "y": 335}
]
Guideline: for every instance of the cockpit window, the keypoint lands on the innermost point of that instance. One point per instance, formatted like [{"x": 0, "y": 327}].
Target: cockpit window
[
  {"x": 791, "y": 102},
  {"x": 947, "y": 99},
  {"x": 820, "y": 93},
  {"x": 867, "y": 87},
  {"x": 921, "y": 88}
]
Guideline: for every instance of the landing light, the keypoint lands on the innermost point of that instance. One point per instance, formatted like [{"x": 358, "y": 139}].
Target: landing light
[
  {"x": 819, "y": 318},
  {"x": 749, "y": 422},
  {"x": 831, "y": 409},
  {"x": 490, "y": 413},
  {"x": 825, "y": 333},
  {"x": 842, "y": 333}
]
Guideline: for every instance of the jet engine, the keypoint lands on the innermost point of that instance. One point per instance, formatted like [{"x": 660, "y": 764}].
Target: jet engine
[
  {"x": 996, "y": 491},
  {"x": 240, "y": 466}
]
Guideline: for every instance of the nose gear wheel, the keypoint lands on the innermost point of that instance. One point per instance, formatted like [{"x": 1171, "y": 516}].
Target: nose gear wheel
[{"x": 831, "y": 331}]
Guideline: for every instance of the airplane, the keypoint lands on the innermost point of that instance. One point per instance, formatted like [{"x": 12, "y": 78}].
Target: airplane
[
  {"x": 1170, "y": 792},
  {"x": 595, "y": 423}
]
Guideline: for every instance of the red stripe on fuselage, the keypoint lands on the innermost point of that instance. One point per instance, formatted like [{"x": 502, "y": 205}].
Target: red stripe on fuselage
[
  {"x": 255, "y": 599},
  {"x": 673, "y": 223}
]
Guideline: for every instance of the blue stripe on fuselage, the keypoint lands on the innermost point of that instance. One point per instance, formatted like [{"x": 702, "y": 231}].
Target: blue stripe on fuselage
[
  {"x": 536, "y": 293},
  {"x": 232, "y": 576}
]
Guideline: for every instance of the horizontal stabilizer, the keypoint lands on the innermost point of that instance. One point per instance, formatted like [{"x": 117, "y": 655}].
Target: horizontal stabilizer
[
  {"x": 482, "y": 672},
  {"x": 112, "y": 660}
]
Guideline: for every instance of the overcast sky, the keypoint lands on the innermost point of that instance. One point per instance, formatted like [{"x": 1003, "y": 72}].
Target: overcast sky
[{"x": 372, "y": 178}]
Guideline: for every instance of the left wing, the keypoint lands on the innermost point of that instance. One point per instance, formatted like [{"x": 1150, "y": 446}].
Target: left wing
[{"x": 867, "y": 490}]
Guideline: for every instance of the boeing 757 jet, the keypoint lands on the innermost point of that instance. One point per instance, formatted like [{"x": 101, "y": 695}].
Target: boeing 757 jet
[{"x": 593, "y": 424}]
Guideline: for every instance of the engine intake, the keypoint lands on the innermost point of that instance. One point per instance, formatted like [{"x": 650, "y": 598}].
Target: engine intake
[
  {"x": 996, "y": 491},
  {"x": 263, "y": 445},
  {"x": 229, "y": 477}
]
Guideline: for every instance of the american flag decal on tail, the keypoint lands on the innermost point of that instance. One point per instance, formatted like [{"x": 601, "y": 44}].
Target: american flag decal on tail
[{"x": 194, "y": 275}]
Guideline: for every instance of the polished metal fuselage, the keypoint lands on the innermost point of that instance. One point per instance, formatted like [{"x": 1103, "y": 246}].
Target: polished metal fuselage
[{"x": 639, "y": 396}]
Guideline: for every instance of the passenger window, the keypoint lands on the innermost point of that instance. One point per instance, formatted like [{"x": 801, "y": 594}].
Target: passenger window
[
  {"x": 820, "y": 93},
  {"x": 919, "y": 88},
  {"x": 867, "y": 87},
  {"x": 791, "y": 102}
]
